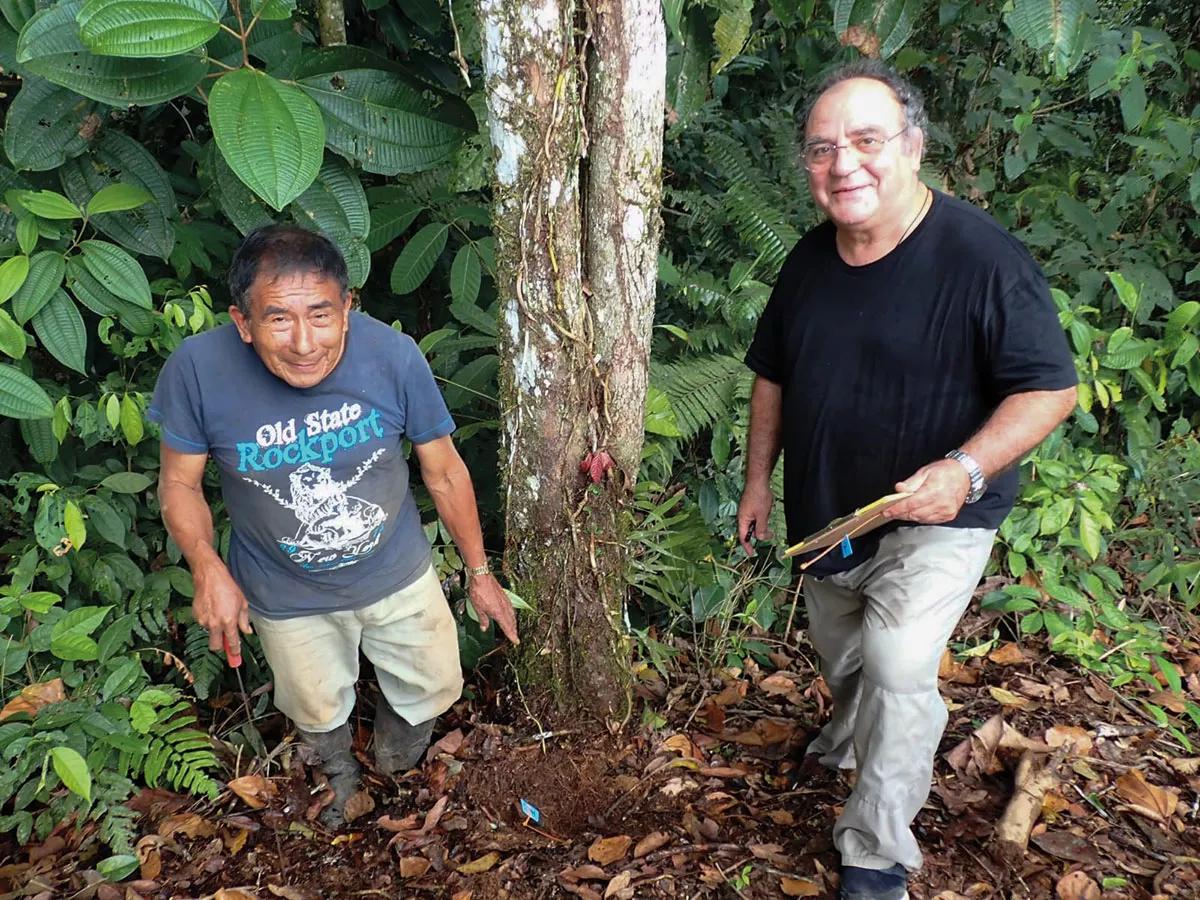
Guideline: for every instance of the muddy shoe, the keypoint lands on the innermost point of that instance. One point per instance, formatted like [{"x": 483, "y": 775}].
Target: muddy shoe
[
  {"x": 874, "y": 884},
  {"x": 340, "y": 767},
  {"x": 398, "y": 745}
]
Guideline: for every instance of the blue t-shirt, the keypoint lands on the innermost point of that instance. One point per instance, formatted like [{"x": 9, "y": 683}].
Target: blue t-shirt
[{"x": 314, "y": 479}]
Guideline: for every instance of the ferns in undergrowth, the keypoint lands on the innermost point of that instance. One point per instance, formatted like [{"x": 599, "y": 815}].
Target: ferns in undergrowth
[
  {"x": 170, "y": 751},
  {"x": 701, "y": 389},
  {"x": 205, "y": 666}
]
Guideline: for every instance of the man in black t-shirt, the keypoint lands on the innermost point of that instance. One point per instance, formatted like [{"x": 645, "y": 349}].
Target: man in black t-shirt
[{"x": 910, "y": 345}]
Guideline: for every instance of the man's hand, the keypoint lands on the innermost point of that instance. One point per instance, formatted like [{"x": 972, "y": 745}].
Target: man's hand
[
  {"x": 754, "y": 512},
  {"x": 491, "y": 602},
  {"x": 938, "y": 493},
  {"x": 221, "y": 607}
]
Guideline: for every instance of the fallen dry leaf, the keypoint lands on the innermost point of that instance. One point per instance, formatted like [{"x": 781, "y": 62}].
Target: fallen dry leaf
[
  {"x": 681, "y": 744},
  {"x": 462, "y": 895},
  {"x": 478, "y": 866},
  {"x": 772, "y": 853},
  {"x": 413, "y": 866},
  {"x": 1007, "y": 655},
  {"x": 798, "y": 887},
  {"x": 650, "y": 843},
  {"x": 387, "y": 823},
  {"x": 777, "y": 684},
  {"x": 950, "y": 669},
  {"x": 586, "y": 872},
  {"x": 287, "y": 892},
  {"x": 618, "y": 884},
  {"x": 449, "y": 744},
  {"x": 236, "y": 841},
  {"x": 187, "y": 824},
  {"x": 1008, "y": 698},
  {"x": 1145, "y": 798},
  {"x": 731, "y": 694},
  {"x": 722, "y": 772},
  {"x": 1176, "y": 703},
  {"x": 254, "y": 790},
  {"x": 781, "y": 817},
  {"x": 359, "y": 804},
  {"x": 233, "y": 894},
  {"x": 1189, "y": 766},
  {"x": 1067, "y": 846},
  {"x": 1078, "y": 738},
  {"x": 33, "y": 697},
  {"x": 610, "y": 849},
  {"x": 1077, "y": 886},
  {"x": 149, "y": 858}
]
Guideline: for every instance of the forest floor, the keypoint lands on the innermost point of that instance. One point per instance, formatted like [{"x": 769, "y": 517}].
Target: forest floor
[{"x": 705, "y": 795}]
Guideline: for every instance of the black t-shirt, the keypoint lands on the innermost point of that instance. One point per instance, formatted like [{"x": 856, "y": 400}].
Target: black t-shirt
[{"x": 886, "y": 367}]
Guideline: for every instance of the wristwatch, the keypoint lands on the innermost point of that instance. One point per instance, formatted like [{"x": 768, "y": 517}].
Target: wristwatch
[
  {"x": 978, "y": 482},
  {"x": 478, "y": 571}
]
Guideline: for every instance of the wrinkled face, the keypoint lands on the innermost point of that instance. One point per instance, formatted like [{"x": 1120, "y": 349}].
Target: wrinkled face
[
  {"x": 855, "y": 189},
  {"x": 297, "y": 325}
]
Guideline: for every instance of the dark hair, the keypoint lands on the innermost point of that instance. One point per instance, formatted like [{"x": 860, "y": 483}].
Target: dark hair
[
  {"x": 907, "y": 95},
  {"x": 277, "y": 250}
]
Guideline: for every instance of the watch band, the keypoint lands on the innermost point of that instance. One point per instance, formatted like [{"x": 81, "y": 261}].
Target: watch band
[
  {"x": 478, "y": 571},
  {"x": 974, "y": 472}
]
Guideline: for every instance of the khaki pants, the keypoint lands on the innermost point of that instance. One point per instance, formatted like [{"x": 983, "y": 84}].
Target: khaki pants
[
  {"x": 409, "y": 636},
  {"x": 880, "y": 629}
]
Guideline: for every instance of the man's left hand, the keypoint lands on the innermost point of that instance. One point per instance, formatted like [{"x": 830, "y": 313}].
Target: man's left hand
[
  {"x": 938, "y": 493},
  {"x": 491, "y": 602}
]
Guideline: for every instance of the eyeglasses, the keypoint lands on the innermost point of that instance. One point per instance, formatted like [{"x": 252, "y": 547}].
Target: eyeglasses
[{"x": 820, "y": 156}]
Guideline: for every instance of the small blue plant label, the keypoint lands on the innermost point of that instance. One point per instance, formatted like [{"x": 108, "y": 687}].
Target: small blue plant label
[{"x": 531, "y": 811}]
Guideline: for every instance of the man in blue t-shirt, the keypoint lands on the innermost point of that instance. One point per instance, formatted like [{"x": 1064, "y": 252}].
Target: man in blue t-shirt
[
  {"x": 303, "y": 406},
  {"x": 910, "y": 345}
]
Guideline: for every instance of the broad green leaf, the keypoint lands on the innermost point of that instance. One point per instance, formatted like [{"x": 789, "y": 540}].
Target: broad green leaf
[
  {"x": 146, "y": 28},
  {"x": 276, "y": 43},
  {"x": 116, "y": 158},
  {"x": 105, "y": 520},
  {"x": 389, "y": 221},
  {"x": 381, "y": 122},
  {"x": 875, "y": 27},
  {"x": 61, "y": 423},
  {"x": 117, "y": 868},
  {"x": 18, "y": 12},
  {"x": 112, "y": 411},
  {"x": 142, "y": 713},
  {"x": 127, "y": 673},
  {"x": 48, "y": 205},
  {"x": 73, "y": 522},
  {"x": 21, "y": 397},
  {"x": 118, "y": 198},
  {"x": 418, "y": 257},
  {"x": 465, "y": 275},
  {"x": 239, "y": 204},
  {"x": 1127, "y": 292},
  {"x": 59, "y": 327},
  {"x": 39, "y": 437},
  {"x": 73, "y": 770},
  {"x": 131, "y": 420},
  {"x": 40, "y": 602},
  {"x": 117, "y": 271},
  {"x": 49, "y": 45},
  {"x": 1089, "y": 533},
  {"x": 336, "y": 205},
  {"x": 476, "y": 378},
  {"x": 1133, "y": 103},
  {"x": 470, "y": 314},
  {"x": 27, "y": 234},
  {"x": 127, "y": 482},
  {"x": 47, "y": 125},
  {"x": 12, "y": 336},
  {"x": 71, "y": 636},
  {"x": 269, "y": 10},
  {"x": 1058, "y": 26},
  {"x": 92, "y": 294},
  {"x": 731, "y": 31},
  {"x": 270, "y": 133},
  {"x": 13, "y": 272}
]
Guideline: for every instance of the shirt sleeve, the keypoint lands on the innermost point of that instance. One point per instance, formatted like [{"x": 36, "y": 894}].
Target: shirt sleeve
[
  {"x": 176, "y": 406},
  {"x": 765, "y": 356},
  {"x": 1025, "y": 345},
  {"x": 426, "y": 417}
]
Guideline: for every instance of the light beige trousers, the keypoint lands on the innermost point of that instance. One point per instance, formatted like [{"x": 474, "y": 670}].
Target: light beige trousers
[
  {"x": 880, "y": 629},
  {"x": 409, "y": 636}
]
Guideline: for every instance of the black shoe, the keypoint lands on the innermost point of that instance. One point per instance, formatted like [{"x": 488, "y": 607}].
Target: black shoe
[
  {"x": 874, "y": 884},
  {"x": 398, "y": 745}
]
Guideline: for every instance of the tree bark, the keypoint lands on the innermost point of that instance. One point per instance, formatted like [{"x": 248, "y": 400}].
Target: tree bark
[
  {"x": 573, "y": 366},
  {"x": 331, "y": 22}
]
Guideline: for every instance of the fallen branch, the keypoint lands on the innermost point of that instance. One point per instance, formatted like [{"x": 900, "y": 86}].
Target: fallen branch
[{"x": 1036, "y": 775}]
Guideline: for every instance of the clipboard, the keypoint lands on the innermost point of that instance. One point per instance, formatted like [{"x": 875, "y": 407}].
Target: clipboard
[{"x": 859, "y": 522}]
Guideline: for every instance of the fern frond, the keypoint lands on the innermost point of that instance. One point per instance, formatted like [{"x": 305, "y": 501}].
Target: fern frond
[
  {"x": 762, "y": 227},
  {"x": 205, "y": 665},
  {"x": 701, "y": 389}
]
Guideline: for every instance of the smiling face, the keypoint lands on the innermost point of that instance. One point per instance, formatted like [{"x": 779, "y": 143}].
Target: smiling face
[
  {"x": 297, "y": 325},
  {"x": 858, "y": 191}
]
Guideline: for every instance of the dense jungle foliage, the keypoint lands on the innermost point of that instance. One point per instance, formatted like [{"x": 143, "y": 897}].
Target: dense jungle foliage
[{"x": 136, "y": 157}]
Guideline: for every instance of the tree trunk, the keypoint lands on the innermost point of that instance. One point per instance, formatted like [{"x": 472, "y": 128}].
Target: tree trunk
[
  {"x": 573, "y": 366},
  {"x": 331, "y": 21}
]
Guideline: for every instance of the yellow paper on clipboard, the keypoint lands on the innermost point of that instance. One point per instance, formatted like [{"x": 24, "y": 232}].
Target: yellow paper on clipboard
[{"x": 858, "y": 523}]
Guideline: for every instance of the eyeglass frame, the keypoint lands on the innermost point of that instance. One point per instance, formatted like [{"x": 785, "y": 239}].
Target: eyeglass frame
[{"x": 834, "y": 148}]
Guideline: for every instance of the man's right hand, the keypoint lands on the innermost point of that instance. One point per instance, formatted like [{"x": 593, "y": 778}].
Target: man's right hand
[
  {"x": 221, "y": 607},
  {"x": 753, "y": 515}
]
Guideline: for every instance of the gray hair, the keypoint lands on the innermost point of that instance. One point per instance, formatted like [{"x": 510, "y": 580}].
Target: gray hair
[{"x": 907, "y": 95}]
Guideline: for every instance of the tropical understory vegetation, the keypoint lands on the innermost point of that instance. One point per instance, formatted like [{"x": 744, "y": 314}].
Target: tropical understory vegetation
[{"x": 135, "y": 157}]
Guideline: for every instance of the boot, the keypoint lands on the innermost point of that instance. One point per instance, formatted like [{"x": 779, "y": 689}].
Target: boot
[
  {"x": 398, "y": 745},
  {"x": 340, "y": 767}
]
